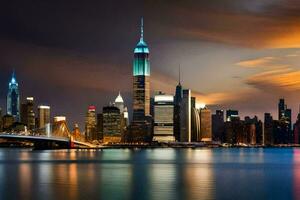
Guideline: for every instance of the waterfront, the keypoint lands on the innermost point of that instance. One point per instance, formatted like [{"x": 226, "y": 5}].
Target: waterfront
[{"x": 220, "y": 173}]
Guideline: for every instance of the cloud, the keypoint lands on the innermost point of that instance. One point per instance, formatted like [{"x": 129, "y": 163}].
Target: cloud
[
  {"x": 258, "y": 62},
  {"x": 254, "y": 24}
]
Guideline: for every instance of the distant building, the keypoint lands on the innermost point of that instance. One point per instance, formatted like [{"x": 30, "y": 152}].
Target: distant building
[
  {"x": 44, "y": 119},
  {"x": 285, "y": 119},
  {"x": 100, "y": 126},
  {"x": 59, "y": 119},
  {"x": 218, "y": 126},
  {"x": 27, "y": 113},
  {"x": 205, "y": 125},
  {"x": 76, "y": 134},
  {"x": 119, "y": 103},
  {"x": 13, "y": 99},
  {"x": 195, "y": 124},
  {"x": 297, "y": 130},
  {"x": 185, "y": 117},
  {"x": 231, "y": 114},
  {"x": 1, "y": 120},
  {"x": 8, "y": 121},
  {"x": 111, "y": 124},
  {"x": 177, "y": 105},
  {"x": 90, "y": 124},
  {"x": 163, "y": 118},
  {"x": 268, "y": 129}
]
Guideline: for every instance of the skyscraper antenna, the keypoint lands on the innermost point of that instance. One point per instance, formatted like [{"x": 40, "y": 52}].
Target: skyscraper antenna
[
  {"x": 179, "y": 74},
  {"x": 142, "y": 28}
]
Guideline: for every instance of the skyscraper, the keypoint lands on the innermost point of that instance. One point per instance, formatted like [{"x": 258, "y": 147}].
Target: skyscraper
[
  {"x": 177, "y": 104},
  {"x": 205, "y": 125},
  {"x": 185, "y": 117},
  {"x": 285, "y": 116},
  {"x": 90, "y": 124},
  {"x": 44, "y": 119},
  {"x": 163, "y": 118},
  {"x": 268, "y": 129},
  {"x": 111, "y": 124},
  {"x": 281, "y": 108},
  {"x": 218, "y": 125},
  {"x": 27, "y": 113},
  {"x": 231, "y": 114},
  {"x": 141, "y": 82},
  {"x": 141, "y": 128},
  {"x": 119, "y": 103},
  {"x": 13, "y": 98}
]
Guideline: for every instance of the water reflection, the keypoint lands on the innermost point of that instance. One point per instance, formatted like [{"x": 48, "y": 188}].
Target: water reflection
[{"x": 150, "y": 174}]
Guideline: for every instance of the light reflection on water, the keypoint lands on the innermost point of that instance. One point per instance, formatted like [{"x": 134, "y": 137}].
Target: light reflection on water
[{"x": 150, "y": 174}]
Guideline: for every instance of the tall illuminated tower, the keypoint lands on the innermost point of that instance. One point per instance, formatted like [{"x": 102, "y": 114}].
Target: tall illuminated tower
[
  {"x": 141, "y": 78},
  {"x": 13, "y": 98}
]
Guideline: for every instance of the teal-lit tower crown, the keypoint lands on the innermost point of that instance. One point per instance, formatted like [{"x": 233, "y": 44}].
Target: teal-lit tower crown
[{"x": 141, "y": 64}]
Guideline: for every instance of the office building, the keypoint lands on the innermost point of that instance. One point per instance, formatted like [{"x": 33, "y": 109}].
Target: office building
[
  {"x": 285, "y": 119},
  {"x": 90, "y": 124},
  {"x": 297, "y": 130},
  {"x": 231, "y": 114},
  {"x": 44, "y": 119},
  {"x": 185, "y": 116},
  {"x": 177, "y": 103},
  {"x": 119, "y": 103},
  {"x": 59, "y": 119},
  {"x": 268, "y": 130},
  {"x": 205, "y": 125},
  {"x": 218, "y": 126},
  {"x": 195, "y": 125},
  {"x": 27, "y": 113},
  {"x": 111, "y": 124},
  {"x": 100, "y": 126},
  {"x": 8, "y": 121},
  {"x": 13, "y": 99},
  {"x": 163, "y": 118}
]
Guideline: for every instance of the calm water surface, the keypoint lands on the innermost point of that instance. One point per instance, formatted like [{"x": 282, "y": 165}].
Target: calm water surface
[{"x": 150, "y": 174}]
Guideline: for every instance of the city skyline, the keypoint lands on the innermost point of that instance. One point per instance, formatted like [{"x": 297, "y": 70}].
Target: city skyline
[{"x": 244, "y": 66}]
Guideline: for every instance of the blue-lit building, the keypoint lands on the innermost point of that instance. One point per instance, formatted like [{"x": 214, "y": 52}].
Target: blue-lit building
[
  {"x": 141, "y": 80},
  {"x": 13, "y": 98}
]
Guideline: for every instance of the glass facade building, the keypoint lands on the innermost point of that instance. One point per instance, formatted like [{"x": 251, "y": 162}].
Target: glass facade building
[{"x": 164, "y": 118}]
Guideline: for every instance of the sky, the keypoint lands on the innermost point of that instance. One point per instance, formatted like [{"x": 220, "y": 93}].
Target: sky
[{"x": 236, "y": 54}]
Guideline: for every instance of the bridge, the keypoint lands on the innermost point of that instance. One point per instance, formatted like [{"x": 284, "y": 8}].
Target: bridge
[{"x": 60, "y": 137}]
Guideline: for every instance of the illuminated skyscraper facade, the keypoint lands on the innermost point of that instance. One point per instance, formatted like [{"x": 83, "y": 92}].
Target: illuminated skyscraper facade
[
  {"x": 44, "y": 119},
  {"x": 141, "y": 82},
  {"x": 27, "y": 113},
  {"x": 91, "y": 124},
  {"x": 13, "y": 98}
]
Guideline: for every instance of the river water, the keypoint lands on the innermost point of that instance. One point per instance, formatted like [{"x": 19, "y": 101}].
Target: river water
[{"x": 246, "y": 173}]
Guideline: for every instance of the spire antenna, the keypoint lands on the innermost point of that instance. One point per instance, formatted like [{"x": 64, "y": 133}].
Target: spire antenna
[
  {"x": 142, "y": 28},
  {"x": 179, "y": 74}
]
